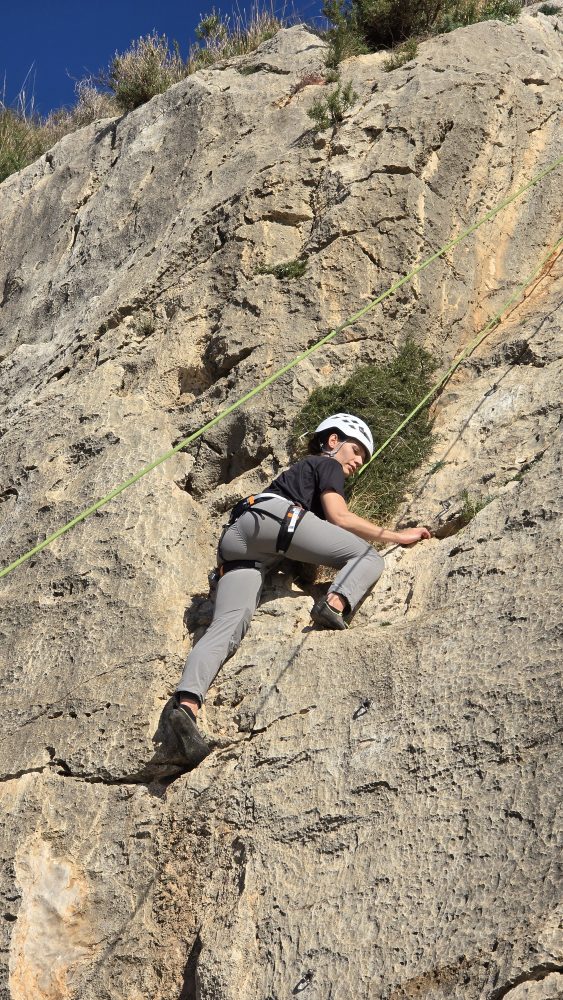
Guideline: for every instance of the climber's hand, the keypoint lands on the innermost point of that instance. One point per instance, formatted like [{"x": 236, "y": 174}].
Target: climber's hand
[{"x": 410, "y": 536}]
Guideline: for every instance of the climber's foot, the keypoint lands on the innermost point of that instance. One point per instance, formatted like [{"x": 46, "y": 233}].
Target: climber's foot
[
  {"x": 327, "y": 617},
  {"x": 188, "y": 737}
]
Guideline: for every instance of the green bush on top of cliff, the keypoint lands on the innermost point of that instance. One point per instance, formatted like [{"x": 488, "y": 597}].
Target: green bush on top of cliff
[
  {"x": 370, "y": 25},
  {"x": 382, "y": 395}
]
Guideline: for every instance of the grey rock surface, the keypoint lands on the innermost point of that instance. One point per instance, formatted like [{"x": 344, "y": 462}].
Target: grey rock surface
[{"x": 379, "y": 817}]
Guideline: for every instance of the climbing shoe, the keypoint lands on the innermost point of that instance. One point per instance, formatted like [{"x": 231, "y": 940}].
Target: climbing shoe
[
  {"x": 325, "y": 616},
  {"x": 190, "y": 742}
]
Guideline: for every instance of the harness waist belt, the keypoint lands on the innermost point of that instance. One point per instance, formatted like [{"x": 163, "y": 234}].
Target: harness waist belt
[{"x": 288, "y": 523}]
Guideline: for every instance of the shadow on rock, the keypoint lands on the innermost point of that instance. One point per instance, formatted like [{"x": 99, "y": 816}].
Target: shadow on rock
[{"x": 189, "y": 989}]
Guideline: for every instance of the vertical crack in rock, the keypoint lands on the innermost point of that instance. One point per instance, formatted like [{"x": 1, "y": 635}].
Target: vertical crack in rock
[{"x": 189, "y": 989}]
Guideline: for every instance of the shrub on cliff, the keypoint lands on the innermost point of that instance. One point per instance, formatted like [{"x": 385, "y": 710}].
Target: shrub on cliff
[
  {"x": 382, "y": 395},
  {"x": 223, "y": 37},
  {"x": 329, "y": 112},
  {"x": 369, "y": 25},
  {"x": 26, "y": 135},
  {"x": 146, "y": 69},
  {"x": 19, "y": 144}
]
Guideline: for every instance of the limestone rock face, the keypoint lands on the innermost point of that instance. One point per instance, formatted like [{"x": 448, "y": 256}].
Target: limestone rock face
[{"x": 378, "y": 818}]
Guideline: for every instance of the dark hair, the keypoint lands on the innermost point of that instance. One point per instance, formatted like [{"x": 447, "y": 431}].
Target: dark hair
[{"x": 318, "y": 442}]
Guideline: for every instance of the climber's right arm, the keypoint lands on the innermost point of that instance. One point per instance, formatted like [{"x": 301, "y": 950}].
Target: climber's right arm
[{"x": 336, "y": 512}]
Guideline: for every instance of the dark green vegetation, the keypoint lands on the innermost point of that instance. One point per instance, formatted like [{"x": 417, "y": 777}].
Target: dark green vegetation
[
  {"x": 330, "y": 111},
  {"x": 549, "y": 8},
  {"x": 290, "y": 269},
  {"x": 360, "y": 26},
  {"x": 382, "y": 395},
  {"x": 437, "y": 467}
]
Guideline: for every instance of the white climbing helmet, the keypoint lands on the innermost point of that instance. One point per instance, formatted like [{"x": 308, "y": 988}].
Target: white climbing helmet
[{"x": 351, "y": 427}]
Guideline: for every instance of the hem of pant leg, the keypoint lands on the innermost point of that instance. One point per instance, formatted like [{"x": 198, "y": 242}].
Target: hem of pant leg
[
  {"x": 188, "y": 694},
  {"x": 341, "y": 593}
]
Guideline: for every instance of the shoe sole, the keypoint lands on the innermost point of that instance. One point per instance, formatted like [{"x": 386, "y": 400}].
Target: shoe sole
[
  {"x": 190, "y": 741},
  {"x": 323, "y": 617}
]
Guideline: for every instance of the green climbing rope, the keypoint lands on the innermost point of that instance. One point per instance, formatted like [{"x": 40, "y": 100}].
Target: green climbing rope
[{"x": 281, "y": 371}]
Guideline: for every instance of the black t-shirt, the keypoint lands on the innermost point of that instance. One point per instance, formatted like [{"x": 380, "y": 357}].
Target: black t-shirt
[{"x": 306, "y": 480}]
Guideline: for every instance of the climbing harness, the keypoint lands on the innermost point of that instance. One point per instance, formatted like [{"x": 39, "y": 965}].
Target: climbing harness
[
  {"x": 288, "y": 523},
  {"x": 297, "y": 360},
  {"x": 288, "y": 526}
]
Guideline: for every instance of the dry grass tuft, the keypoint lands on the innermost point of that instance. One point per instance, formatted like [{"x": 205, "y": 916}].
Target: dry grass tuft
[
  {"x": 25, "y": 135},
  {"x": 148, "y": 67},
  {"x": 222, "y": 36}
]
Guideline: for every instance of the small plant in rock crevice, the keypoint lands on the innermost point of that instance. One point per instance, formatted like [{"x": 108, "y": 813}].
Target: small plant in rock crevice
[
  {"x": 437, "y": 467},
  {"x": 526, "y": 467},
  {"x": 382, "y": 395},
  {"x": 290, "y": 269},
  {"x": 329, "y": 112},
  {"x": 401, "y": 55},
  {"x": 549, "y": 9},
  {"x": 472, "y": 506},
  {"x": 145, "y": 324}
]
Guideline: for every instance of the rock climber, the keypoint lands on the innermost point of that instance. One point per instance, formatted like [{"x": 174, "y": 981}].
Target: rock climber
[{"x": 302, "y": 514}]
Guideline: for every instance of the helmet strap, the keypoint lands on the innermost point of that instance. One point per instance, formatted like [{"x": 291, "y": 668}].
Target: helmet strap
[{"x": 334, "y": 451}]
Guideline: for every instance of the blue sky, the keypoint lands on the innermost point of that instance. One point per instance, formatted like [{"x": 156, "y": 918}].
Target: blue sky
[{"x": 45, "y": 45}]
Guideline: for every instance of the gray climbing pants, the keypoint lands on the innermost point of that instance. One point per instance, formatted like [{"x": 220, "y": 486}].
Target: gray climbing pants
[{"x": 253, "y": 536}]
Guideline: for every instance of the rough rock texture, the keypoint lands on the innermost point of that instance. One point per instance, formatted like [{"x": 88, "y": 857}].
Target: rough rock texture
[{"x": 379, "y": 816}]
